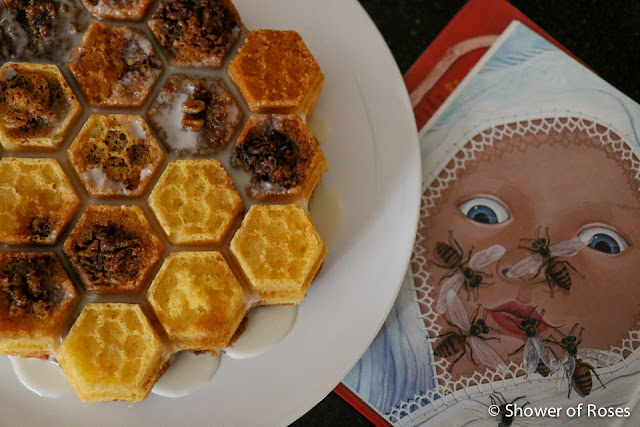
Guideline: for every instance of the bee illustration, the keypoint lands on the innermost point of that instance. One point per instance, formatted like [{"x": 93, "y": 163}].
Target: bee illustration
[
  {"x": 578, "y": 363},
  {"x": 470, "y": 334},
  {"x": 504, "y": 417},
  {"x": 536, "y": 350},
  {"x": 465, "y": 272},
  {"x": 546, "y": 257}
]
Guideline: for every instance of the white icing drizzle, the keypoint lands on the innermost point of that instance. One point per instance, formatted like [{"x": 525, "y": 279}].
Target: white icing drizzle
[
  {"x": 266, "y": 326},
  {"x": 327, "y": 213},
  {"x": 169, "y": 119},
  {"x": 42, "y": 377},
  {"x": 187, "y": 373}
]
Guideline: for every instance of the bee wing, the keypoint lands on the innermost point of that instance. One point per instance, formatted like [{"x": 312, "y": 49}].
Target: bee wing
[
  {"x": 486, "y": 256},
  {"x": 599, "y": 358},
  {"x": 487, "y": 355},
  {"x": 458, "y": 314},
  {"x": 569, "y": 365},
  {"x": 530, "y": 357},
  {"x": 567, "y": 248},
  {"x": 452, "y": 284},
  {"x": 545, "y": 353},
  {"x": 526, "y": 266}
]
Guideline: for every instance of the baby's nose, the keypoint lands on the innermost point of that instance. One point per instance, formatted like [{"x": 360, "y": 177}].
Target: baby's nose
[{"x": 523, "y": 285}]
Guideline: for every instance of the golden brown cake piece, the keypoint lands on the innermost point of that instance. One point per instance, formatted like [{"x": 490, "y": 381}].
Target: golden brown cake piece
[
  {"x": 196, "y": 33},
  {"x": 36, "y": 201},
  {"x": 36, "y": 298},
  {"x": 195, "y": 202},
  {"x": 194, "y": 116},
  {"x": 118, "y": 10},
  {"x": 279, "y": 252},
  {"x": 198, "y": 300},
  {"x": 113, "y": 249},
  {"x": 276, "y": 73},
  {"x": 115, "y": 154},
  {"x": 112, "y": 353},
  {"x": 37, "y": 106},
  {"x": 282, "y": 156},
  {"x": 115, "y": 66}
]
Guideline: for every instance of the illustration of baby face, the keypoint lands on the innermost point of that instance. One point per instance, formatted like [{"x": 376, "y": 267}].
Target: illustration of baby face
[{"x": 566, "y": 184}]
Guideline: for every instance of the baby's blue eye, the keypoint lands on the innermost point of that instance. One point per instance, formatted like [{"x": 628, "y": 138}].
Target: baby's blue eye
[
  {"x": 603, "y": 239},
  {"x": 484, "y": 210}
]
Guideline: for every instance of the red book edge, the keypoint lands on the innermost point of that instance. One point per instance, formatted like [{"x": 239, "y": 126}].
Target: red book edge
[{"x": 432, "y": 78}]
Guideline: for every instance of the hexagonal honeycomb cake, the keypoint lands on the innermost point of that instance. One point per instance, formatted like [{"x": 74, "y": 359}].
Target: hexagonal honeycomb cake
[
  {"x": 196, "y": 33},
  {"x": 276, "y": 73},
  {"x": 279, "y": 251},
  {"x": 112, "y": 353},
  {"x": 36, "y": 200},
  {"x": 37, "y": 106},
  {"x": 195, "y": 116},
  {"x": 118, "y": 10},
  {"x": 282, "y": 156},
  {"x": 36, "y": 299},
  {"x": 115, "y": 66},
  {"x": 198, "y": 300},
  {"x": 186, "y": 191},
  {"x": 115, "y": 154},
  {"x": 195, "y": 202},
  {"x": 113, "y": 249}
]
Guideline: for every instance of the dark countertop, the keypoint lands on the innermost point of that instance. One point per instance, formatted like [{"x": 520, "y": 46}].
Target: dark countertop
[{"x": 605, "y": 34}]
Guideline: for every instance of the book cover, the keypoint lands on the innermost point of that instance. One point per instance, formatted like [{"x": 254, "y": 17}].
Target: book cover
[{"x": 521, "y": 287}]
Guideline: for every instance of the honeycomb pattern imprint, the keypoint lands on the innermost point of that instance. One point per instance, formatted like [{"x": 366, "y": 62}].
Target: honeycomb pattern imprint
[
  {"x": 198, "y": 300},
  {"x": 36, "y": 200},
  {"x": 113, "y": 249},
  {"x": 118, "y": 10},
  {"x": 37, "y": 106},
  {"x": 279, "y": 251},
  {"x": 36, "y": 297},
  {"x": 112, "y": 353},
  {"x": 276, "y": 73},
  {"x": 195, "y": 202},
  {"x": 115, "y": 66},
  {"x": 115, "y": 154}
]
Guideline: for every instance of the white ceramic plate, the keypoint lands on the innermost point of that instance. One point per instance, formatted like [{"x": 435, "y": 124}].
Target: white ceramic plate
[{"x": 373, "y": 158}]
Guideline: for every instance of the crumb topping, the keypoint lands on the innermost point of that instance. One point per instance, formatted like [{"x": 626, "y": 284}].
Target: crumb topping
[
  {"x": 107, "y": 253},
  {"x": 271, "y": 156},
  {"x": 30, "y": 102},
  {"x": 115, "y": 66},
  {"x": 30, "y": 283},
  {"x": 196, "y": 32}
]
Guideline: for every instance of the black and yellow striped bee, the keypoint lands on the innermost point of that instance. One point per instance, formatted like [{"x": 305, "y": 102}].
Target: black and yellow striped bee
[
  {"x": 469, "y": 334},
  {"x": 545, "y": 258},
  {"x": 579, "y": 363}
]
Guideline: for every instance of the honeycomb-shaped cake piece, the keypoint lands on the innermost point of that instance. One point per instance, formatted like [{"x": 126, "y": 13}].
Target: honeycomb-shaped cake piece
[
  {"x": 282, "y": 156},
  {"x": 196, "y": 33},
  {"x": 118, "y": 10},
  {"x": 198, "y": 300},
  {"x": 279, "y": 252},
  {"x": 195, "y": 202},
  {"x": 115, "y": 154},
  {"x": 115, "y": 66},
  {"x": 37, "y": 200},
  {"x": 113, "y": 249},
  {"x": 276, "y": 73},
  {"x": 194, "y": 116},
  {"x": 36, "y": 299},
  {"x": 37, "y": 106},
  {"x": 112, "y": 353}
]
